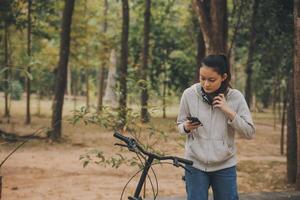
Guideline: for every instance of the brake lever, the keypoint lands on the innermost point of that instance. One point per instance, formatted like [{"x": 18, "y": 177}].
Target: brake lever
[
  {"x": 121, "y": 145},
  {"x": 177, "y": 164},
  {"x": 130, "y": 148}
]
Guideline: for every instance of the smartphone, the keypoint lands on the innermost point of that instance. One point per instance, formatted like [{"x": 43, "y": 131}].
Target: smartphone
[{"x": 194, "y": 119}]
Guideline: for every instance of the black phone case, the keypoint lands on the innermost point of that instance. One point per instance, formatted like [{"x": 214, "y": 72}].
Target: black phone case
[{"x": 194, "y": 119}]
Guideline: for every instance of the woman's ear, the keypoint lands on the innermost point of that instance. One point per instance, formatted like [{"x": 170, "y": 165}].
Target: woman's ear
[{"x": 224, "y": 77}]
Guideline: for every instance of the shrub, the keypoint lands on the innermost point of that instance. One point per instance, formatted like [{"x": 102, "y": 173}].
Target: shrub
[{"x": 16, "y": 90}]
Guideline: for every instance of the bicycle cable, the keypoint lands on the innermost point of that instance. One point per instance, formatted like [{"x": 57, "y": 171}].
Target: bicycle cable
[
  {"x": 129, "y": 182},
  {"x": 155, "y": 194},
  {"x": 155, "y": 181},
  {"x": 163, "y": 163},
  {"x": 152, "y": 187},
  {"x": 137, "y": 174},
  {"x": 160, "y": 163}
]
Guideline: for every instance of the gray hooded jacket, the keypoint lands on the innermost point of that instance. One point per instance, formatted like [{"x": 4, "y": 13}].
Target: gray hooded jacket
[{"x": 211, "y": 146}]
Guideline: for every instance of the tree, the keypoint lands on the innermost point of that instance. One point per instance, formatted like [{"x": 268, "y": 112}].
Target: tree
[
  {"x": 212, "y": 17},
  {"x": 101, "y": 72},
  {"x": 61, "y": 75},
  {"x": 252, "y": 45},
  {"x": 291, "y": 144},
  {"x": 6, "y": 73},
  {"x": 297, "y": 85},
  {"x": 124, "y": 62},
  {"x": 28, "y": 84},
  {"x": 276, "y": 41},
  {"x": 144, "y": 66},
  {"x": 110, "y": 97},
  {"x": 172, "y": 61},
  {"x": 283, "y": 117},
  {"x": 81, "y": 50},
  {"x": 200, "y": 45},
  {"x": 7, "y": 18}
]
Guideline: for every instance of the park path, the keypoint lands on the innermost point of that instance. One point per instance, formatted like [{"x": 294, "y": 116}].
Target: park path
[{"x": 255, "y": 196}]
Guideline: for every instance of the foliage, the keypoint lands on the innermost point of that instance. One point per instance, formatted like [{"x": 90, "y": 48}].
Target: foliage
[
  {"x": 97, "y": 157},
  {"x": 145, "y": 134},
  {"x": 273, "y": 54},
  {"x": 44, "y": 24},
  {"x": 43, "y": 81},
  {"x": 172, "y": 55},
  {"x": 172, "y": 52},
  {"x": 14, "y": 86},
  {"x": 16, "y": 90},
  {"x": 172, "y": 43}
]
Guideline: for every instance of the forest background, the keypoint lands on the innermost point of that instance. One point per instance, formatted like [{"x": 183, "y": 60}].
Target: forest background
[{"x": 123, "y": 65}]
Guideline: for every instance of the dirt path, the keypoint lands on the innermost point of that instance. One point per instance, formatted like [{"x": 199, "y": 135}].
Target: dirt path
[{"x": 44, "y": 171}]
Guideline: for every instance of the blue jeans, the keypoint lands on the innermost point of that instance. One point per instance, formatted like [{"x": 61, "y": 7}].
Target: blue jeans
[{"x": 223, "y": 183}]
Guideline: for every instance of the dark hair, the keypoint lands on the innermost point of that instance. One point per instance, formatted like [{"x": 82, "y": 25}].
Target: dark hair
[{"x": 220, "y": 64}]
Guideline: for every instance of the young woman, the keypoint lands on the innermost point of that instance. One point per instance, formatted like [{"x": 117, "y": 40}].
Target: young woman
[{"x": 222, "y": 111}]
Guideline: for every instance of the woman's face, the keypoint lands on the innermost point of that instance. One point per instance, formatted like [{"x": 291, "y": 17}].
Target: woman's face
[{"x": 210, "y": 80}]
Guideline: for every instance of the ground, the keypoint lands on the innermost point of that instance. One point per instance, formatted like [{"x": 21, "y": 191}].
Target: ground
[{"x": 42, "y": 170}]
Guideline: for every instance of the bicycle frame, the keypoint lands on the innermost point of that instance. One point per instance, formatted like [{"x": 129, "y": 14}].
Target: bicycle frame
[{"x": 132, "y": 145}]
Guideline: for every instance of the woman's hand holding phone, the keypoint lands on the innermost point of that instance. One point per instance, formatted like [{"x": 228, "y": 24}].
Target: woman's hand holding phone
[{"x": 192, "y": 123}]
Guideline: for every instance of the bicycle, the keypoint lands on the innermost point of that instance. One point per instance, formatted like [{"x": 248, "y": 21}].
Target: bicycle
[{"x": 133, "y": 145}]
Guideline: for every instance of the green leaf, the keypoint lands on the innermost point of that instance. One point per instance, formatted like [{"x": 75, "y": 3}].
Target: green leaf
[{"x": 29, "y": 76}]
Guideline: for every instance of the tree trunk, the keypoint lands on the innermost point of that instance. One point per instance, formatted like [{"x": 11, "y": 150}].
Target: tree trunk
[
  {"x": 69, "y": 81},
  {"x": 238, "y": 11},
  {"x": 279, "y": 101},
  {"x": 297, "y": 85},
  {"x": 291, "y": 144},
  {"x": 61, "y": 75},
  {"x": 233, "y": 69},
  {"x": 101, "y": 76},
  {"x": 39, "y": 99},
  {"x": 7, "y": 71},
  {"x": 123, "y": 63},
  {"x": 110, "y": 97},
  {"x": 28, "y": 83},
  {"x": 101, "y": 73},
  {"x": 252, "y": 45},
  {"x": 275, "y": 95},
  {"x": 283, "y": 124},
  {"x": 144, "y": 66},
  {"x": 87, "y": 89},
  {"x": 86, "y": 69},
  {"x": 200, "y": 46},
  {"x": 212, "y": 17},
  {"x": 164, "y": 94},
  {"x": 200, "y": 54},
  {"x": 75, "y": 91}
]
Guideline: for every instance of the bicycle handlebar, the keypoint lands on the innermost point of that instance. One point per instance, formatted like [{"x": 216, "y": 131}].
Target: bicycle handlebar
[
  {"x": 122, "y": 137},
  {"x": 132, "y": 144}
]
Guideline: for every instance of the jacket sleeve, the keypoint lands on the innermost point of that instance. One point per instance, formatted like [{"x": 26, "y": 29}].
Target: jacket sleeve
[
  {"x": 242, "y": 121},
  {"x": 184, "y": 112}
]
